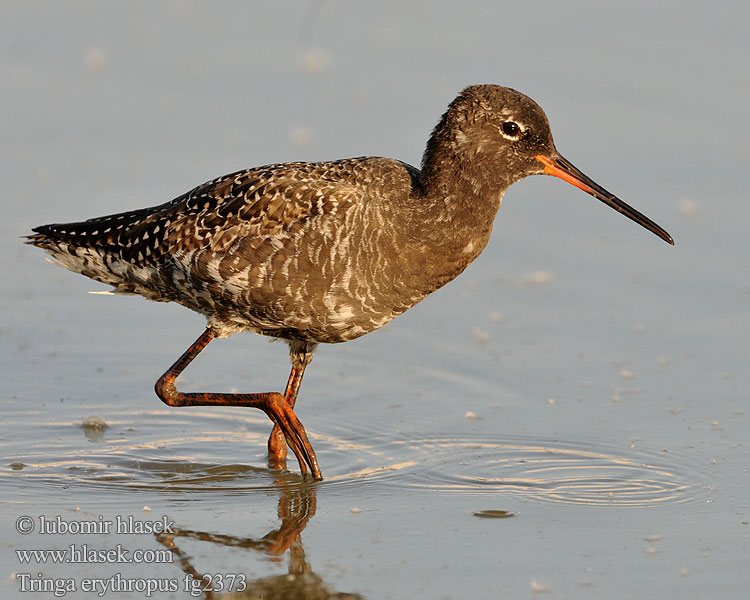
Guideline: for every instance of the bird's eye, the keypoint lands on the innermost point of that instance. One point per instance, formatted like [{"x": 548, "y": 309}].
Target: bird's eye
[{"x": 511, "y": 129}]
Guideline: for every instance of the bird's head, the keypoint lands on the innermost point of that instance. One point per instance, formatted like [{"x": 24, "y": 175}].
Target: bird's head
[{"x": 496, "y": 136}]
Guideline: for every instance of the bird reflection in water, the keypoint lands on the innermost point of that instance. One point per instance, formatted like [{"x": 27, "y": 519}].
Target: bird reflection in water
[{"x": 297, "y": 504}]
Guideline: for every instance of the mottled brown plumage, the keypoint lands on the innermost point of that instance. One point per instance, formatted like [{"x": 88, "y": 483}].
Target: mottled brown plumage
[{"x": 322, "y": 252}]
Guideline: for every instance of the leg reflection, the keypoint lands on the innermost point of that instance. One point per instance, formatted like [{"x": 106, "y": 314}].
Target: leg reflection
[{"x": 296, "y": 507}]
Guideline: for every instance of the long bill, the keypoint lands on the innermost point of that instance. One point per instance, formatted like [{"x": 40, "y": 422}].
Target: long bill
[{"x": 564, "y": 169}]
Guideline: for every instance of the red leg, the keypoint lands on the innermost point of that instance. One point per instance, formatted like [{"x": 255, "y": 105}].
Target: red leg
[
  {"x": 272, "y": 403},
  {"x": 277, "y": 441}
]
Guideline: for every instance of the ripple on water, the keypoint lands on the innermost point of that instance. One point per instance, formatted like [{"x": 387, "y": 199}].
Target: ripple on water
[
  {"x": 553, "y": 471},
  {"x": 197, "y": 453}
]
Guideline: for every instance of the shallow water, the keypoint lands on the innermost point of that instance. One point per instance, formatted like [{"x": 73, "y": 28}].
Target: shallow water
[{"x": 567, "y": 419}]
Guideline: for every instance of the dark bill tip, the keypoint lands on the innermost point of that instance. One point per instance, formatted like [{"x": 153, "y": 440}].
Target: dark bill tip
[{"x": 564, "y": 169}]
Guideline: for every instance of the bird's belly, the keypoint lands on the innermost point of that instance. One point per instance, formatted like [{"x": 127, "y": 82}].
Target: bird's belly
[
  {"x": 325, "y": 317},
  {"x": 316, "y": 303}
]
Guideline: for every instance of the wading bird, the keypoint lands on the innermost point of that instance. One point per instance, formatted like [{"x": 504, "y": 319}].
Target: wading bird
[{"x": 322, "y": 252}]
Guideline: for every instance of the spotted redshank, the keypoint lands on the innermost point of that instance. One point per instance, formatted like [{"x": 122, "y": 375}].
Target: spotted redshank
[{"x": 322, "y": 252}]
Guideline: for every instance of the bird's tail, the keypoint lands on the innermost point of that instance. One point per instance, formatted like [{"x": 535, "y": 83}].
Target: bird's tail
[{"x": 104, "y": 249}]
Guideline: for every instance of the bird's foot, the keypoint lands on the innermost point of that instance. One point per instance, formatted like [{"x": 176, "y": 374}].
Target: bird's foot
[{"x": 293, "y": 433}]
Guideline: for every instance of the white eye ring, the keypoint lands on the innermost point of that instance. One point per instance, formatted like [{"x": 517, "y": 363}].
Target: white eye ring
[{"x": 511, "y": 130}]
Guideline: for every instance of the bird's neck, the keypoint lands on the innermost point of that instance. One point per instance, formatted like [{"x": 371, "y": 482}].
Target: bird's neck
[
  {"x": 459, "y": 191},
  {"x": 455, "y": 213},
  {"x": 460, "y": 172}
]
